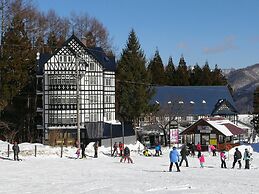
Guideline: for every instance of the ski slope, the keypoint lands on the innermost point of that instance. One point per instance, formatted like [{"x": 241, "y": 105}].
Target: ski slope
[{"x": 48, "y": 173}]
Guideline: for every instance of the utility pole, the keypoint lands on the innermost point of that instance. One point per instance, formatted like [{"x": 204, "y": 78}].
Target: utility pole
[{"x": 77, "y": 101}]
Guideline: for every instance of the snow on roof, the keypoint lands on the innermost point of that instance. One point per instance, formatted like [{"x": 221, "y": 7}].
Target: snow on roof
[
  {"x": 225, "y": 126},
  {"x": 222, "y": 128}
]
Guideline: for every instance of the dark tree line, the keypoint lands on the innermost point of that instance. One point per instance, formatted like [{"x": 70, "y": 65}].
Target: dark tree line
[{"x": 183, "y": 75}]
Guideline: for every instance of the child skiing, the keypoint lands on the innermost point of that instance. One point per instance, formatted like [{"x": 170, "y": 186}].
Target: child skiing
[
  {"x": 202, "y": 160},
  {"x": 223, "y": 158}
]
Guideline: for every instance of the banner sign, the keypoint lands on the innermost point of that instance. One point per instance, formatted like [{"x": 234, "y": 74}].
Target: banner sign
[{"x": 174, "y": 135}]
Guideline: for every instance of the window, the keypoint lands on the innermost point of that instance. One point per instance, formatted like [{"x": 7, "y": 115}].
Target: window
[
  {"x": 108, "y": 116},
  {"x": 92, "y": 80},
  {"x": 107, "y": 99},
  {"x": 108, "y": 81},
  {"x": 93, "y": 99},
  {"x": 91, "y": 66},
  {"x": 60, "y": 59},
  {"x": 93, "y": 117},
  {"x": 65, "y": 59},
  {"x": 69, "y": 59}
]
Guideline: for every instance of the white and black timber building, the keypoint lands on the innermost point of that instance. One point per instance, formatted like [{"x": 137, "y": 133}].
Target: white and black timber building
[{"x": 57, "y": 77}]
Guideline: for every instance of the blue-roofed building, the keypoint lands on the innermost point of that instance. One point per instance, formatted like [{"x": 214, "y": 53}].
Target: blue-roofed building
[
  {"x": 187, "y": 104},
  {"x": 58, "y": 92},
  {"x": 195, "y": 100}
]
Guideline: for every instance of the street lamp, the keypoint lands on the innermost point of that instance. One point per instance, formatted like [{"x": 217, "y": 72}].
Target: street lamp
[{"x": 169, "y": 103}]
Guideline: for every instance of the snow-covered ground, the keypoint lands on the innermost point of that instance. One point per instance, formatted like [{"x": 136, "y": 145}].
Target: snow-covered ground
[{"x": 48, "y": 173}]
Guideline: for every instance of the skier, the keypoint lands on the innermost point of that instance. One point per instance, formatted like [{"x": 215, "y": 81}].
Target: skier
[
  {"x": 160, "y": 148},
  {"x": 83, "y": 150},
  {"x": 191, "y": 146},
  {"x": 237, "y": 158},
  {"x": 198, "y": 148},
  {"x": 246, "y": 158},
  {"x": 115, "y": 149},
  {"x": 223, "y": 158},
  {"x": 183, "y": 153},
  {"x": 202, "y": 160},
  {"x": 16, "y": 151},
  {"x": 174, "y": 158},
  {"x": 157, "y": 149},
  {"x": 126, "y": 155},
  {"x": 121, "y": 147},
  {"x": 213, "y": 149},
  {"x": 95, "y": 149}
]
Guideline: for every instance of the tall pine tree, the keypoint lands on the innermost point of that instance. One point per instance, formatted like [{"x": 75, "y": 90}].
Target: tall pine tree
[
  {"x": 206, "y": 75},
  {"x": 217, "y": 77},
  {"x": 156, "y": 70},
  {"x": 182, "y": 73},
  {"x": 170, "y": 72},
  {"x": 133, "y": 90}
]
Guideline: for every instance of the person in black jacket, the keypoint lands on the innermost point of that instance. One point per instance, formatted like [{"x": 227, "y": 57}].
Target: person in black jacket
[
  {"x": 16, "y": 151},
  {"x": 126, "y": 155},
  {"x": 237, "y": 158},
  {"x": 183, "y": 153}
]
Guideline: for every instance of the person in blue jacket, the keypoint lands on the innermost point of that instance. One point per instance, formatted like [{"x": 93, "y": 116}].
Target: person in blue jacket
[{"x": 174, "y": 158}]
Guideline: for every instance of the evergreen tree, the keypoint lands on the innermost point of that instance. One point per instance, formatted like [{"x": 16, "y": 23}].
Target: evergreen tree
[
  {"x": 206, "y": 75},
  {"x": 196, "y": 76},
  {"x": 17, "y": 65},
  {"x": 156, "y": 70},
  {"x": 217, "y": 77},
  {"x": 182, "y": 76},
  {"x": 170, "y": 72},
  {"x": 133, "y": 90}
]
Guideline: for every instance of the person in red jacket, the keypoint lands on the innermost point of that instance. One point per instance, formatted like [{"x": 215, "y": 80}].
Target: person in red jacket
[
  {"x": 198, "y": 148},
  {"x": 121, "y": 147}
]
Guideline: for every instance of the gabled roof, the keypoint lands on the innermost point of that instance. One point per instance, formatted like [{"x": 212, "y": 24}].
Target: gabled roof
[
  {"x": 197, "y": 100},
  {"x": 223, "y": 107},
  {"x": 223, "y": 125},
  {"x": 98, "y": 53}
]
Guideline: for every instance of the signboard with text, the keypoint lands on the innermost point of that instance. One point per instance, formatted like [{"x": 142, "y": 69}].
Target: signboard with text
[{"x": 174, "y": 135}]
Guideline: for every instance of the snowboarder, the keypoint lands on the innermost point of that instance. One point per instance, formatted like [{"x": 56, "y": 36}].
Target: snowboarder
[
  {"x": 223, "y": 158},
  {"x": 115, "y": 149},
  {"x": 183, "y": 153},
  {"x": 16, "y": 151},
  {"x": 95, "y": 149},
  {"x": 126, "y": 155},
  {"x": 174, "y": 158},
  {"x": 246, "y": 158},
  {"x": 237, "y": 158},
  {"x": 202, "y": 160},
  {"x": 121, "y": 147}
]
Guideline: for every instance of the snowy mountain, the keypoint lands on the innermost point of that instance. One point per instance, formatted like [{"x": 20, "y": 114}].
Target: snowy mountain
[{"x": 243, "y": 82}]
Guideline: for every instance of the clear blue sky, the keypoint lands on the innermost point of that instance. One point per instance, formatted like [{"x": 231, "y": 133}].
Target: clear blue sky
[{"x": 224, "y": 32}]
